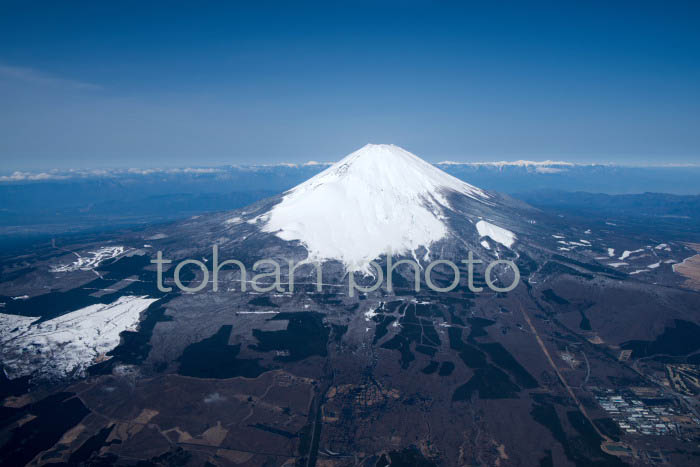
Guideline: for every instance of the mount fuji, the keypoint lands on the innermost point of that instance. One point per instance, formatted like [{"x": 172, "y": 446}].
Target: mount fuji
[{"x": 382, "y": 198}]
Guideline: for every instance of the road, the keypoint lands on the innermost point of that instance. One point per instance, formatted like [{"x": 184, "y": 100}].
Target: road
[{"x": 546, "y": 353}]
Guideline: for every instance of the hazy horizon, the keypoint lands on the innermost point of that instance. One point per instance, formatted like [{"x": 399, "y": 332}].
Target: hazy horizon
[{"x": 183, "y": 165}]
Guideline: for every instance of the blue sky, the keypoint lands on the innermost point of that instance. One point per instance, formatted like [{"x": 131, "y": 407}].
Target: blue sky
[{"x": 92, "y": 84}]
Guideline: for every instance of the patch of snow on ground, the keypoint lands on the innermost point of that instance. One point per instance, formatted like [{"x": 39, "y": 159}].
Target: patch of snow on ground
[
  {"x": 496, "y": 233},
  {"x": 626, "y": 253},
  {"x": 638, "y": 271},
  {"x": 68, "y": 344},
  {"x": 617, "y": 265},
  {"x": 371, "y": 313},
  {"x": 91, "y": 260},
  {"x": 214, "y": 398},
  {"x": 654, "y": 266},
  {"x": 558, "y": 236},
  {"x": 611, "y": 252},
  {"x": 257, "y": 312},
  {"x": 661, "y": 246},
  {"x": 485, "y": 244},
  {"x": 260, "y": 218}
]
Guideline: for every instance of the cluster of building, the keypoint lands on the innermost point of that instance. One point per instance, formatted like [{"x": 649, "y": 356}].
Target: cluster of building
[{"x": 635, "y": 415}]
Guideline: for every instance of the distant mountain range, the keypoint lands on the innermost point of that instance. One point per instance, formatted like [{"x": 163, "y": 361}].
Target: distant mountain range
[
  {"x": 59, "y": 201},
  {"x": 505, "y": 176}
]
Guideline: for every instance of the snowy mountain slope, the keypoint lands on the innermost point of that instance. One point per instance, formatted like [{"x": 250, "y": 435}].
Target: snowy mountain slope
[
  {"x": 380, "y": 198},
  {"x": 69, "y": 343}
]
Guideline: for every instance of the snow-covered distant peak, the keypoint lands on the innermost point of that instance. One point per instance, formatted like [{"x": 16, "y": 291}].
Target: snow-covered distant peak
[
  {"x": 519, "y": 163},
  {"x": 379, "y": 198}
]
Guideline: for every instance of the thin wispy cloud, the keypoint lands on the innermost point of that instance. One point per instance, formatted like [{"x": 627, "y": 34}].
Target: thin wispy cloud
[
  {"x": 31, "y": 176},
  {"x": 34, "y": 76},
  {"x": 536, "y": 167},
  {"x": 57, "y": 174}
]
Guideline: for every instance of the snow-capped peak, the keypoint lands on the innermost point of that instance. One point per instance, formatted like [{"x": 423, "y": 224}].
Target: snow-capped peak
[{"x": 377, "y": 199}]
